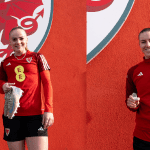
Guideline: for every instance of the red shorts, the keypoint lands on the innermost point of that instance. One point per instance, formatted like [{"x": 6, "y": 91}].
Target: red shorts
[{"x": 20, "y": 127}]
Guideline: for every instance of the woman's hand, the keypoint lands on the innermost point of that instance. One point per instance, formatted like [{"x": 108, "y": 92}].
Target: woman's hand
[
  {"x": 48, "y": 119},
  {"x": 133, "y": 102},
  {"x": 7, "y": 87}
]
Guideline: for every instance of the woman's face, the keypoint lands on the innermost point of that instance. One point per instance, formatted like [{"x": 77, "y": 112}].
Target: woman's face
[
  {"x": 144, "y": 41},
  {"x": 18, "y": 41}
]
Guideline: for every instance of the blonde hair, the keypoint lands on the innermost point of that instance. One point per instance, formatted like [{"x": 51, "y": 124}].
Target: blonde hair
[{"x": 15, "y": 28}]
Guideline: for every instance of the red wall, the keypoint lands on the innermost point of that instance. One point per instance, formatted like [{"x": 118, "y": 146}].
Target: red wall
[
  {"x": 65, "y": 50},
  {"x": 89, "y": 99},
  {"x": 110, "y": 124}
]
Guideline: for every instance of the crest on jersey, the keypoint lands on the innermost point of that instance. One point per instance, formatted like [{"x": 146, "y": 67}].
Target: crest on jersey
[
  {"x": 7, "y": 131},
  {"x": 29, "y": 59},
  {"x": 35, "y": 16},
  {"x": 104, "y": 19}
]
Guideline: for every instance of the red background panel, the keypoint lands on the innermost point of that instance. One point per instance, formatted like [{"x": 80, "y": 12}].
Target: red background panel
[
  {"x": 65, "y": 50},
  {"x": 110, "y": 124}
]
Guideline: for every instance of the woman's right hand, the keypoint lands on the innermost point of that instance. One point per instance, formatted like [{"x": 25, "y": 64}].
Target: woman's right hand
[
  {"x": 133, "y": 102},
  {"x": 7, "y": 87}
]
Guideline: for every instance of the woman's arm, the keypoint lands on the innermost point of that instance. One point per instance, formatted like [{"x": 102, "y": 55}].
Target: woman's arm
[
  {"x": 48, "y": 118},
  {"x": 48, "y": 91}
]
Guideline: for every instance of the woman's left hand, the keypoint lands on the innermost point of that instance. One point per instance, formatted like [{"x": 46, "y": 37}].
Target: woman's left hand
[{"x": 48, "y": 119}]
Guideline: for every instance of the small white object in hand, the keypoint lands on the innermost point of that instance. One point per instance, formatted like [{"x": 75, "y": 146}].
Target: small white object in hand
[
  {"x": 135, "y": 97},
  {"x": 12, "y": 101}
]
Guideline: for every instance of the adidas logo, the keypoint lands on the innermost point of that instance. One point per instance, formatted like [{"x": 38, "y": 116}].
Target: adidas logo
[
  {"x": 40, "y": 129},
  {"x": 8, "y": 64},
  {"x": 140, "y": 74}
]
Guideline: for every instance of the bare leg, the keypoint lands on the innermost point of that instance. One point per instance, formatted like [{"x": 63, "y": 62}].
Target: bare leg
[
  {"x": 37, "y": 143},
  {"x": 18, "y": 145}
]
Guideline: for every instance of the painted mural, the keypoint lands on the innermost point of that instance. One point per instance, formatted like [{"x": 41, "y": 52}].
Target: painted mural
[
  {"x": 104, "y": 19},
  {"x": 35, "y": 16},
  {"x": 89, "y": 45}
]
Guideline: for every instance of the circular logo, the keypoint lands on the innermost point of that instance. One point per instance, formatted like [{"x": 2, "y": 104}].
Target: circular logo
[
  {"x": 104, "y": 20},
  {"x": 35, "y": 16},
  {"x": 20, "y": 76}
]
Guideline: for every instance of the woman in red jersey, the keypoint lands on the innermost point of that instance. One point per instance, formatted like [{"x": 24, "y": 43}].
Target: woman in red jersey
[
  {"x": 138, "y": 82},
  {"x": 25, "y": 70}
]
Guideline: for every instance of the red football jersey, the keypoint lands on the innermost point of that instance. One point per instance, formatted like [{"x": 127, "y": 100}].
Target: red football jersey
[
  {"x": 138, "y": 81},
  {"x": 25, "y": 73}
]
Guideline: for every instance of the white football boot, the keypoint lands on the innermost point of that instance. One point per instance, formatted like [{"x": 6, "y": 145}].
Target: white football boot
[{"x": 12, "y": 101}]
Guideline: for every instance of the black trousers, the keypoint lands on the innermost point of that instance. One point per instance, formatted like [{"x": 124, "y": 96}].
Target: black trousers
[{"x": 139, "y": 144}]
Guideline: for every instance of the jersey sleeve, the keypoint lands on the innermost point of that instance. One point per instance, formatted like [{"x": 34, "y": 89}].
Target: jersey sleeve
[
  {"x": 130, "y": 86},
  {"x": 48, "y": 91},
  {"x": 3, "y": 77},
  {"x": 42, "y": 63}
]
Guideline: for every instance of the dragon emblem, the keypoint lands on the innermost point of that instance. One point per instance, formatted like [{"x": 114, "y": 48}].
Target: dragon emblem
[{"x": 17, "y": 13}]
